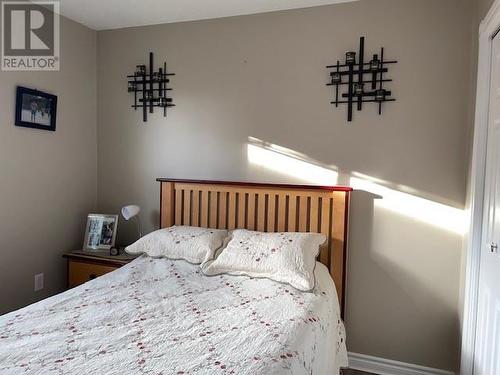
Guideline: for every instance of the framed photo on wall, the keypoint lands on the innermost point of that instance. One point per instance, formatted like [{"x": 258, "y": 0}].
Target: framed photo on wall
[
  {"x": 100, "y": 232},
  {"x": 35, "y": 109}
]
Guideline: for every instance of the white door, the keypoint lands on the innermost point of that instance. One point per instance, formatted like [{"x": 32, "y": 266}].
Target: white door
[{"x": 487, "y": 351}]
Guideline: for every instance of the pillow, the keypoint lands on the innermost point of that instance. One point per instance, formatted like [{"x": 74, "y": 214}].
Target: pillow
[
  {"x": 193, "y": 244},
  {"x": 284, "y": 257}
]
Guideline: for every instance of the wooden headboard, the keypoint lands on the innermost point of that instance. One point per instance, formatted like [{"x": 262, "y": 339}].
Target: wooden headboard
[{"x": 267, "y": 208}]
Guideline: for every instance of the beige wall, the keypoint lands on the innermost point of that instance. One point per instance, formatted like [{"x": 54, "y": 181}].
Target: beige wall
[
  {"x": 483, "y": 6},
  {"x": 47, "y": 179},
  {"x": 263, "y": 76}
]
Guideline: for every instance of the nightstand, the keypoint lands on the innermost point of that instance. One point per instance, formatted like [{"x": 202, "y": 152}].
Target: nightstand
[{"x": 85, "y": 265}]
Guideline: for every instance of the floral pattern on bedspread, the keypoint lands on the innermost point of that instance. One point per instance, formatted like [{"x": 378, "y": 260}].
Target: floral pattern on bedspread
[{"x": 157, "y": 316}]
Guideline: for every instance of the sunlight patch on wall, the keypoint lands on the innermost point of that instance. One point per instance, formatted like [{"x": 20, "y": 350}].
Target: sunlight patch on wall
[
  {"x": 427, "y": 211},
  {"x": 279, "y": 162}
]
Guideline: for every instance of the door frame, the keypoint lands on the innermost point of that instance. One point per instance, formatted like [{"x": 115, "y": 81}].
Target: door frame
[{"x": 487, "y": 30}]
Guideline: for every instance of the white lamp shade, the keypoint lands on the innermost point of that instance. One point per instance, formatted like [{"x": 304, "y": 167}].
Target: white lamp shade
[{"x": 128, "y": 212}]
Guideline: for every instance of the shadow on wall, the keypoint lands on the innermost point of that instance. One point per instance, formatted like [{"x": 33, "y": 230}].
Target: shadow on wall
[
  {"x": 404, "y": 261},
  {"x": 403, "y": 281}
]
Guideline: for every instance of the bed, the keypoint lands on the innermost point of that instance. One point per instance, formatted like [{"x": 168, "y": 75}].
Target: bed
[{"x": 160, "y": 316}]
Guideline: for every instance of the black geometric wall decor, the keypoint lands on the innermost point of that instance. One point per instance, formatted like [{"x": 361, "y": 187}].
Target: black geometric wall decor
[
  {"x": 364, "y": 80},
  {"x": 150, "y": 88}
]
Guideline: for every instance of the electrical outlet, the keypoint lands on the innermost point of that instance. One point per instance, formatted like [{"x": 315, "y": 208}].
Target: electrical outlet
[{"x": 38, "y": 282}]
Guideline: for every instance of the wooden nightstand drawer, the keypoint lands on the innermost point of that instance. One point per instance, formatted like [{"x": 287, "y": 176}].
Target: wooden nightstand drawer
[
  {"x": 81, "y": 272},
  {"x": 84, "y": 266}
]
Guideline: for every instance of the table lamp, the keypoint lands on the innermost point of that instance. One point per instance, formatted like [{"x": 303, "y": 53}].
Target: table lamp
[{"x": 131, "y": 211}]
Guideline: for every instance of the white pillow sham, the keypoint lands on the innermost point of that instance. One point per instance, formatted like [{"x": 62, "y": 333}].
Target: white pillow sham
[
  {"x": 285, "y": 257},
  {"x": 194, "y": 244}
]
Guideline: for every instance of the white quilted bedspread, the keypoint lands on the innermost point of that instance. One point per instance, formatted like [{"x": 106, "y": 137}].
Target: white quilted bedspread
[{"x": 157, "y": 316}]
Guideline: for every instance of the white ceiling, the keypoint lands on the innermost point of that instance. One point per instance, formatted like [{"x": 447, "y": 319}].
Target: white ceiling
[{"x": 114, "y": 14}]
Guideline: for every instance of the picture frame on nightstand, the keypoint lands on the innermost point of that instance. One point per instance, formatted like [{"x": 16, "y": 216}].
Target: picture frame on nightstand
[{"x": 100, "y": 232}]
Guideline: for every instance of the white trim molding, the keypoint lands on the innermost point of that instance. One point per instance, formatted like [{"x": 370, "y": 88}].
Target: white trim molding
[
  {"x": 384, "y": 366},
  {"x": 487, "y": 30}
]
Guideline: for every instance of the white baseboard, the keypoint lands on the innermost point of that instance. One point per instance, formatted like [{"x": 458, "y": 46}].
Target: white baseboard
[{"x": 383, "y": 366}]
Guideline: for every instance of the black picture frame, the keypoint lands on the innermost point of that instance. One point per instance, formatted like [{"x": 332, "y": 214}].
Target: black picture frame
[{"x": 35, "y": 109}]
